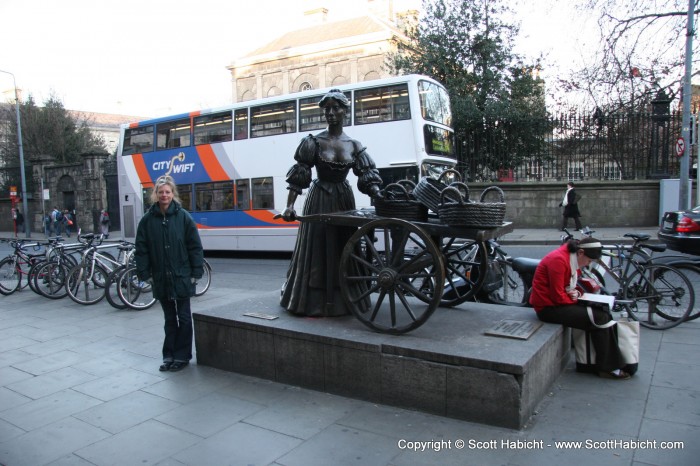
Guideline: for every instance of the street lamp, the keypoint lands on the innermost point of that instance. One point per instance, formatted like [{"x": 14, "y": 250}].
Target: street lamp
[{"x": 21, "y": 157}]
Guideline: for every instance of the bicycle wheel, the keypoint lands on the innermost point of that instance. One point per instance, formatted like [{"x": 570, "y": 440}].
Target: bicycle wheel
[
  {"x": 111, "y": 291},
  {"x": 31, "y": 276},
  {"x": 466, "y": 264},
  {"x": 24, "y": 268},
  {"x": 509, "y": 288},
  {"x": 135, "y": 293},
  {"x": 692, "y": 273},
  {"x": 50, "y": 280},
  {"x": 204, "y": 282},
  {"x": 9, "y": 276},
  {"x": 82, "y": 284},
  {"x": 660, "y": 297}
]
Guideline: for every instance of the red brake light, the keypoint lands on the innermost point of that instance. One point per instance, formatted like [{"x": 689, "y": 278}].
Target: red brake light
[{"x": 687, "y": 225}]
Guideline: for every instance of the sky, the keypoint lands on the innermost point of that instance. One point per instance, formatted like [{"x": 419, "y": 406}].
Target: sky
[{"x": 151, "y": 58}]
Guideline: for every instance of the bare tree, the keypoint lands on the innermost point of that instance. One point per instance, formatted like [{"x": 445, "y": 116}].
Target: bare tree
[{"x": 641, "y": 51}]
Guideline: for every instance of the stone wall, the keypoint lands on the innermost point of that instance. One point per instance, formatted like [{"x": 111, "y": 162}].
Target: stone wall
[
  {"x": 603, "y": 204},
  {"x": 78, "y": 186}
]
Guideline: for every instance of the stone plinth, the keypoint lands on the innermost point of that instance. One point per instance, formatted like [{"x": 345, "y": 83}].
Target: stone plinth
[{"x": 447, "y": 367}]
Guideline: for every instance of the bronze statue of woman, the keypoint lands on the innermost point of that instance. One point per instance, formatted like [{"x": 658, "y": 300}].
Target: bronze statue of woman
[{"x": 334, "y": 154}]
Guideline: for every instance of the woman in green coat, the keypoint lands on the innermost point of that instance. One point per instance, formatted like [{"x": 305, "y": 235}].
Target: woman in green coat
[{"x": 169, "y": 255}]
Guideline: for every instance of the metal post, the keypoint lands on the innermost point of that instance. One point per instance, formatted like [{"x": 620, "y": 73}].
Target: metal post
[
  {"x": 687, "y": 96},
  {"x": 21, "y": 157}
]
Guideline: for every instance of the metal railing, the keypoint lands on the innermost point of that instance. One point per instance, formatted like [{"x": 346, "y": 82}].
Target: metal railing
[{"x": 573, "y": 147}]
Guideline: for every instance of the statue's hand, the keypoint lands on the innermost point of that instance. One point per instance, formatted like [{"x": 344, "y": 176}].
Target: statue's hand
[
  {"x": 375, "y": 192},
  {"x": 289, "y": 215}
]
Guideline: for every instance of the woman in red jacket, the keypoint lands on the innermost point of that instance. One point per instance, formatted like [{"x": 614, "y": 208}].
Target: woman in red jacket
[{"x": 555, "y": 298}]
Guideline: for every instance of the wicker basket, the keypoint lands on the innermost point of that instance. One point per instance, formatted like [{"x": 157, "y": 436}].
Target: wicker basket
[
  {"x": 460, "y": 211},
  {"x": 398, "y": 202},
  {"x": 428, "y": 189}
]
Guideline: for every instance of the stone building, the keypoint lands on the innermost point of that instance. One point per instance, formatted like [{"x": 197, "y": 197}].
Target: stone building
[{"x": 322, "y": 54}]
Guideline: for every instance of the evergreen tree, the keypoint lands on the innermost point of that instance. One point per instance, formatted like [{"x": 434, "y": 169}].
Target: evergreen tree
[{"x": 467, "y": 46}]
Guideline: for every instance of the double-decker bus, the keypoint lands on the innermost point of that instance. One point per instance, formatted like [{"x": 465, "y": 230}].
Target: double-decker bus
[{"x": 230, "y": 163}]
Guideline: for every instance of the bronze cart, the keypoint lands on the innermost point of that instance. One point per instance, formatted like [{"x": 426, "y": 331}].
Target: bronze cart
[{"x": 394, "y": 273}]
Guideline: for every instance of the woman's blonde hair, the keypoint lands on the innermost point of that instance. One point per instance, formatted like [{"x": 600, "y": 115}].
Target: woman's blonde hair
[{"x": 162, "y": 181}]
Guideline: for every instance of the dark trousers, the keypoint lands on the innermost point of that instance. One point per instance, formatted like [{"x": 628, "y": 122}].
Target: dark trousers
[
  {"x": 178, "y": 330},
  {"x": 604, "y": 340},
  {"x": 565, "y": 222}
]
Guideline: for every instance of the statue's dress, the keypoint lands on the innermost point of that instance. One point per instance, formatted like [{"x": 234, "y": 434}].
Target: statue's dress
[{"x": 305, "y": 291}]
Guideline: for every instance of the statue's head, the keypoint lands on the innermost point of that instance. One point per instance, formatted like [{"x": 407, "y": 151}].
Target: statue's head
[{"x": 338, "y": 96}]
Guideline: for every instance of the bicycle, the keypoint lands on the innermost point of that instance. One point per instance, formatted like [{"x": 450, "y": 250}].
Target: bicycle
[
  {"x": 17, "y": 265},
  {"x": 85, "y": 282},
  {"x": 509, "y": 279},
  {"x": 124, "y": 259},
  {"x": 646, "y": 290},
  {"x": 691, "y": 269},
  {"x": 48, "y": 276},
  {"x": 137, "y": 294}
]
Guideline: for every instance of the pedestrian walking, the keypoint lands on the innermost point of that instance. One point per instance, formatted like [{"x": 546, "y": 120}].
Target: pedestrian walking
[
  {"x": 170, "y": 257},
  {"x": 105, "y": 223},
  {"x": 67, "y": 222},
  {"x": 57, "y": 220},
  {"x": 19, "y": 221},
  {"x": 570, "y": 204},
  {"x": 48, "y": 229}
]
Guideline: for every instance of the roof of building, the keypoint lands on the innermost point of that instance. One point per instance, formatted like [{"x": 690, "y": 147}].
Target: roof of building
[
  {"x": 326, "y": 32},
  {"x": 104, "y": 119}
]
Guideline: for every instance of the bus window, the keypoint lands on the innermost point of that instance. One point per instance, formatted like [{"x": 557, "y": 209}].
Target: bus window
[
  {"x": 138, "y": 140},
  {"x": 212, "y": 196},
  {"x": 311, "y": 116},
  {"x": 387, "y": 103},
  {"x": 185, "y": 191},
  {"x": 263, "y": 196},
  {"x": 434, "y": 103},
  {"x": 438, "y": 141},
  {"x": 212, "y": 128},
  {"x": 279, "y": 118},
  {"x": 242, "y": 195},
  {"x": 240, "y": 127},
  {"x": 173, "y": 134}
]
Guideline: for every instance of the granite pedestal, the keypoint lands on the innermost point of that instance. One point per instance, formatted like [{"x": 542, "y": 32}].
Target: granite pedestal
[{"x": 448, "y": 366}]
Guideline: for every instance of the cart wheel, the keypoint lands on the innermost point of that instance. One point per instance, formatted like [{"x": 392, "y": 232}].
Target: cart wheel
[
  {"x": 466, "y": 263},
  {"x": 381, "y": 281}
]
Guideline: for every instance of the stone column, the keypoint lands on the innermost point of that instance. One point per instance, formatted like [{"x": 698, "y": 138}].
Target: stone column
[
  {"x": 94, "y": 196},
  {"x": 39, "y": 162}
]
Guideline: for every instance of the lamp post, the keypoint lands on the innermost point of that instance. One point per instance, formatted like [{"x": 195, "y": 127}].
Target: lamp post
[{"x": 21, "y": 157}]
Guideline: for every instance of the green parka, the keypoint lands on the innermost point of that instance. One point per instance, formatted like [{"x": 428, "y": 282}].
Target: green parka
[{"x": 169, "y": 251}]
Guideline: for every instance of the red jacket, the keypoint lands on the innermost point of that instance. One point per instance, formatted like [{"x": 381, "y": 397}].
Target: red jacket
[{"x": 552, "y": 276}]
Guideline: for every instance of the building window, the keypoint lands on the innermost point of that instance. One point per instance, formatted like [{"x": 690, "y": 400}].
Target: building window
[
  {"x": 305, "y": 86},
  {"x": 576, "y": 171}
]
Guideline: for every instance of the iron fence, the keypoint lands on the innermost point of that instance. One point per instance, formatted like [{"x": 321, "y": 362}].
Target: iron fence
[{"x": 573, "y": 148}]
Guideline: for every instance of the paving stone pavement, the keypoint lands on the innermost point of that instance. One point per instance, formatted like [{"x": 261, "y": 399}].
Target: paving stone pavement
[{"x": 79, "y": 385}]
